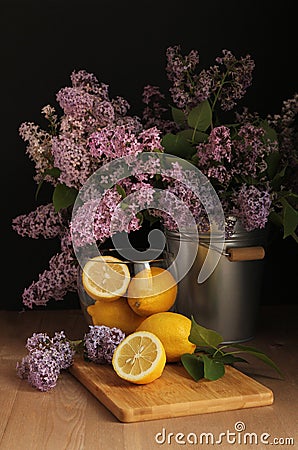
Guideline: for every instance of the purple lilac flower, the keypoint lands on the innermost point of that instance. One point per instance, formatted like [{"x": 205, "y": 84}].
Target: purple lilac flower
[
  {"x": 100, "y": 343},
  {"x": 46, "y": 358},
  {"x": 73, "y": 159},
  {"x": 38, "y": 149},
  {"x": 75, "y": 101},
  {"x": 252, "y": 206},
  {"x": 228, "y": 80},
  {"x": 53, "y": 283},
  {"x": 215, "y": 155},
  {"x": 65, "y": 352},
  {"x": 202, "y": 85},
  {"x": 58, "y": 345},
  {"x": 92, "y": 221},
  {"x": 250, "y": 151},
  {"x": 222, "y": 158},
  {"x": 220, "y": 143},
  {"x": 40, "y": 369},
  {"x": 179, "y": 69},
  {"x": 120, "y": 105},
  {"x": 154, "y": 111},
  {"x": 44, "y": 221},
  {"x": 231, "y": 78},
  {"x": 119, "y": 141},
  {"x": 89, "y": 83},
  {"x": 285, "y": 124}
]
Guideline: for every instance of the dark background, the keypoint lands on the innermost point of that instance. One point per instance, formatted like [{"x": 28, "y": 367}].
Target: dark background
[{"x": 123, "y": 44}]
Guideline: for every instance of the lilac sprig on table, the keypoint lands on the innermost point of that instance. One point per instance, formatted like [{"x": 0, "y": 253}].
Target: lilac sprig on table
[{"x": 48, "y": 356}]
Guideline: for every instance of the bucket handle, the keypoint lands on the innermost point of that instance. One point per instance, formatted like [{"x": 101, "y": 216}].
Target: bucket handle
[
  {"x": 235, "y": 254},
  {"x": 245, "y": 253}
]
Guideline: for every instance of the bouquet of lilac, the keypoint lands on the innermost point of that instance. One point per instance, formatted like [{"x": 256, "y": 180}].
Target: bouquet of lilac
[{"x": 250, "y": 161}]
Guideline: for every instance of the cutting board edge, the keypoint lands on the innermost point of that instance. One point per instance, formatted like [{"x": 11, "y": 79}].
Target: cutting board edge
[{"x": 125, "y": 416}]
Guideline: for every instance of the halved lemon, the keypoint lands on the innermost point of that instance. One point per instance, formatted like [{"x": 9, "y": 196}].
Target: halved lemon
[
  {"x": 140, "y": 358},
  {"x": 105, "y": 278}
]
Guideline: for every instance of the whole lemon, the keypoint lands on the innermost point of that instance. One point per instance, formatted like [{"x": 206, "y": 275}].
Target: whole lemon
[
  {"x": 173, "y": 330},
  {"x": 114, "y": 314},
  {"x": 151, "y": 291}
]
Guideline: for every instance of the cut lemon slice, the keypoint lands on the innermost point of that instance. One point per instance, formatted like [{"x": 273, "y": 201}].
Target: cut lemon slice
[
  {"x": 140, "y": 358},
  {"x": 105, "y": 278}
]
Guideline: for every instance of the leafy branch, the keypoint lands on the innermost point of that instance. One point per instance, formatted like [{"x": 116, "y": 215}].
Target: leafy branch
[{"x": 211, "y": 355}]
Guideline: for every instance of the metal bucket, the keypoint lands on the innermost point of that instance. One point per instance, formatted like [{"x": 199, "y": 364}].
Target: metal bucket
[{"x": 228, "y": 300}]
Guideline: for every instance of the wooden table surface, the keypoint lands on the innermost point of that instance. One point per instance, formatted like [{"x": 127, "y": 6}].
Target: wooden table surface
[{"x": 69, "y": 417}]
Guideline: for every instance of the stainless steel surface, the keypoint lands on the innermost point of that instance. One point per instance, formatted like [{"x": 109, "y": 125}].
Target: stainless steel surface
[{"x": 228, "y": 300}]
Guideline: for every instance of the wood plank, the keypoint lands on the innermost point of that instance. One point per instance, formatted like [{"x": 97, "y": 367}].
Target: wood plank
[{"x": 174, "y": 394}]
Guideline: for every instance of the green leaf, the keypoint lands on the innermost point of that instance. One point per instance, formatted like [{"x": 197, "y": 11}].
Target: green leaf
[
  {"x": 229, "y": 359},
  {"x": 200, "y": 117},
  {"x": 120, "y": 190},
  {"x": 290, "y": 218},
  {"x": 140, "y": 216},
  {"x": 178, "y": 116},
  {"x": 193, "y": 136},
  {"x": 272, "y": 164},
  {"x": 193, "y": 365},
  {"x": 38, "y": 188},
  {"x": 151, "y": 219},
  {"x": 276, "y": 219},
  {"x": 213, "y": 369},
  {"x": 258, "y": 354},
  {"x": 278, "y": 178},
  {"x": 63, "y": 196},
  {"x": 178, "y": 145},
  {"x": 270, "y": 133},
  {"x": 54, "y": 172},
  {"x": 208, "y": 350},
  {"x": 201, "y": 336}
]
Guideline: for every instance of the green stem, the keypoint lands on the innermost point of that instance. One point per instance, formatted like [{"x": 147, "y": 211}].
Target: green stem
[
  {"x": 76, "y": 345},
  {"x": 219, "y": 350},
  {"x": 219, "y": 90}
]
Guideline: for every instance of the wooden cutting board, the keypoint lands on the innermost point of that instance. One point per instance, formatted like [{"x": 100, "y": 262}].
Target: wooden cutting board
[{"x": 174, "y": 394}]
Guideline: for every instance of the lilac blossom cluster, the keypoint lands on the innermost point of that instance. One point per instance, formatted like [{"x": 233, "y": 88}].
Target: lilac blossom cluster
[
  {"x": 44, "y": 221},
  {"x": 229, "y": 163},
  {"x": 252, "y": 206},
  {"x": 100, "y": 343},
  {"x": 224, "y": 83},
  {"x": 46, "y": 357}
]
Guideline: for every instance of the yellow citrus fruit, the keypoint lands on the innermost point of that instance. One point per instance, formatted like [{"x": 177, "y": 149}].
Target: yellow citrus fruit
[
  {"x": 140, "y": 358},
  {"x": 151, "y": 291},
  {"x": 173, "y": 330},
  {"x": 114, "y": 314},
  {"x": 105, "y": 278}
]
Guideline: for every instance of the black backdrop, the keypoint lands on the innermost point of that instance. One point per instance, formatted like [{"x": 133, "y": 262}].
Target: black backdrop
[{"x": 123, "y": 44}]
